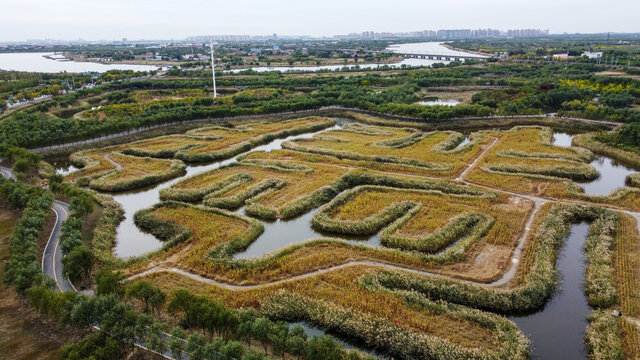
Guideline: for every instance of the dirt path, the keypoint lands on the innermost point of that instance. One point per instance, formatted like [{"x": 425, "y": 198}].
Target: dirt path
[
  {"x": 502, "y": 281},
  {"x": 115, "y": 163},
  {"x": 475, "y": 161}
]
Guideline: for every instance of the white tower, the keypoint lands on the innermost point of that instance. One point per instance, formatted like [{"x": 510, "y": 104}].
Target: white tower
[{"x": 213, "y": 70}]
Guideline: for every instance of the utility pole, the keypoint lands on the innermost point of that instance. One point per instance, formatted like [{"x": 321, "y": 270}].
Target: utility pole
[{"x": 213, "y": 71}]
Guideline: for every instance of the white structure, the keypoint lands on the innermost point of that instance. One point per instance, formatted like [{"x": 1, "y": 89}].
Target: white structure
[
  {"x": 561, "y": 56},
  {"x": 592, "y": 55},
  {"x": 213, "y": 71}
]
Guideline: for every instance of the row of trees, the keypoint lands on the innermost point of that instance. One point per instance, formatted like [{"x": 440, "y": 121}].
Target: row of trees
[
  {"x": 230, "y": 332},
  {"x": 211, "y": 317},
  {"x": 22, "y": 270}
]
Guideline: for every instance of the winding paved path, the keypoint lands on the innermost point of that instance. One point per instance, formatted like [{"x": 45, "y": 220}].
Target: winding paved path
[
  {"x": 52, "y": 255},
  {"x": 6, "y": 172}
]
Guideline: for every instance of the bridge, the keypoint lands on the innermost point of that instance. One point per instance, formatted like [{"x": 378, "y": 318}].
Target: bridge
[{"x": 453, "y": 56}]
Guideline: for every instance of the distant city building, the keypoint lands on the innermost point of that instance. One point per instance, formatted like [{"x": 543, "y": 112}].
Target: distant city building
[
  {"x": 561, "y": 56},
  {"x": 446, "y": 34},
  {"x": 519, "y": 33}
]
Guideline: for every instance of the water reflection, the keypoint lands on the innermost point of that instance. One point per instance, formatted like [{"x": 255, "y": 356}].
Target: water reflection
[
  {"x": 281, "y": 233},
  {"x": 557, "y": 331},
  {"x": 131, "y": 241},
  {"x": 63, "y": 166},
  {"x": 38, "y": 62},
  {"x": 612, "y": 174},
  {"x": 444, "y": 102}
]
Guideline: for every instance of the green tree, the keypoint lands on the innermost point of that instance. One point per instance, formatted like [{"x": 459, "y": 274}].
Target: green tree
[
  {"x": 212, "y": 349},
  {"x": 195, "y": 346},
  {"x": 233, "y": 349},
  {"x": 77, "y": 264},
  {"x": 297, "y": 345},
  {"x": 279, "y": 336},
  {"x": 157, "y": 300},
  {"x": 253, "y": 354},
  {"x": 176, "y": 344},
  {"x": 154, "y": 340},
  {"x": 143, "y": 291},
  {"x": 261, "y": 329},
  {"x": 323, "y": 347},
  {"x": 109, "y": 282}
]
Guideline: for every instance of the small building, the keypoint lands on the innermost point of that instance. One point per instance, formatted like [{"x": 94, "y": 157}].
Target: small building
[
  {"x": 561, "y": 56},
  {"x": 592, "y": 55}
]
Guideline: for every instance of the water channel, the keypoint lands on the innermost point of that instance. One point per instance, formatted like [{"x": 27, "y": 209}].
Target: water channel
[
  {"x": 612, "y": 174},
  {"x": 438, "y": 101},
  {"x": 556, "y": 331}
]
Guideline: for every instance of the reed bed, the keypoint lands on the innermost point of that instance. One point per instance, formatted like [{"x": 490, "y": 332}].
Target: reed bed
[
  {"x": 336, "y": 298},
  {"x": 627, "y": 265},
  {"x": 215, "y": 143},
  {"x": 416, "y": 220},
  {"x": 101, "y": 174},
  {"x": 401, "y": 146},
  {"x": 536, "y": 279},
  {"x": 404, "y": 344}
]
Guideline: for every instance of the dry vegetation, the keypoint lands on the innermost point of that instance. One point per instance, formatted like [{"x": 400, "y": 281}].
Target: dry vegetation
[{"x": 399, "y": 182}]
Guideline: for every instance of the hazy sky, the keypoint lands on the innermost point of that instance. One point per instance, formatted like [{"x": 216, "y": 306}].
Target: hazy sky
[{"x": 176, "y": 19}]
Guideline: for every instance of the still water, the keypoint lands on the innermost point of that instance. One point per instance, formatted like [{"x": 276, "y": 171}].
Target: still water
[
  {"x": 612, "y": 174},
  {"x": 37, "y": 62},
  {"x": 406, "y": 62},
  {"x": 429, "y": 48},
  {"x": 445, "y": 102},
  {"x": 131, "y": 241},
  {"x": 312, "y": 330},
  {"x": 557, "y": 330}
]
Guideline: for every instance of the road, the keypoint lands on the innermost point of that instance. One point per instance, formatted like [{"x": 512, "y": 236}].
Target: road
[
  {"x": 6, "y": 172},
  {"x": 52, "y": 255}
]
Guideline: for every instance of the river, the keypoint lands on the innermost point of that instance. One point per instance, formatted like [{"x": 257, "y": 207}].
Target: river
[
  {"x": 37, "y": 62},
  {"x": 431, "y": 48}
]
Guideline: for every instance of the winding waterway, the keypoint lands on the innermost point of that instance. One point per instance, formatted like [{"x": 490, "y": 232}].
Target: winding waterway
[
  {"x": 131, "y": 241},
  {"x": 612, "y": 174},
  {"x": 556, "y": 331}
]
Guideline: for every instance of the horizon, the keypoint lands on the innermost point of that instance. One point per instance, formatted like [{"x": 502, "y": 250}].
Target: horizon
[{"x": 65, "y": 20}]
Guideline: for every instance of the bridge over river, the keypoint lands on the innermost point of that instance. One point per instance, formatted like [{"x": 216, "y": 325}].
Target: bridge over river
[
  {"x": 434, "y": 51},
  {"x": 441, "y": 56}
]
